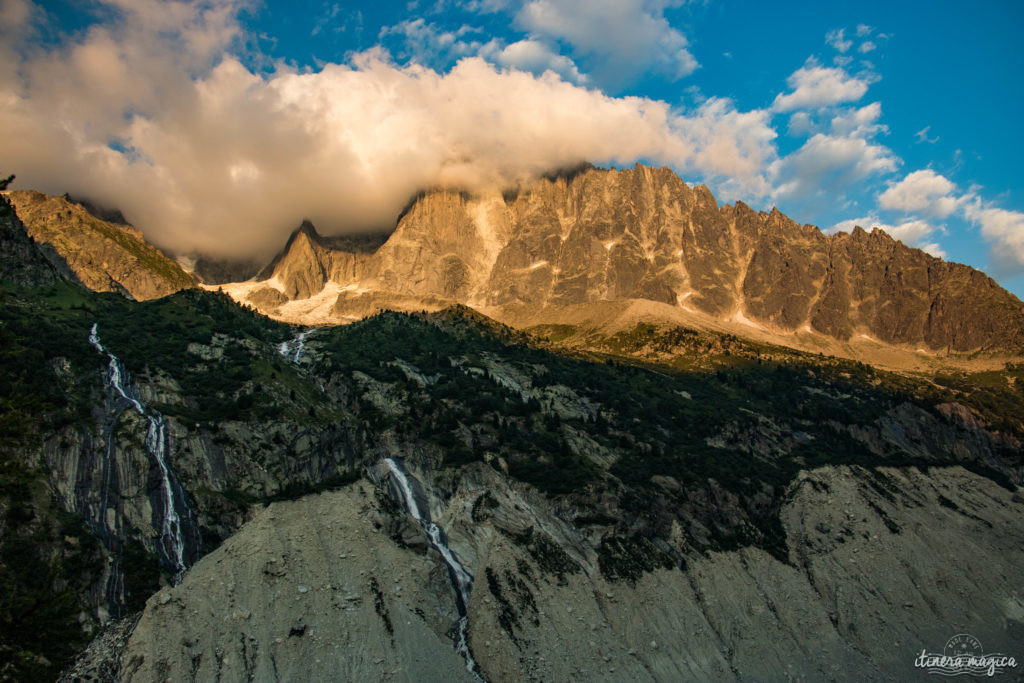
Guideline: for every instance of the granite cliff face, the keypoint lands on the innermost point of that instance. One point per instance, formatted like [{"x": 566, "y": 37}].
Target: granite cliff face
[
  {"x": 104, "y": 256},
  {"x": 643, "y": 234}
]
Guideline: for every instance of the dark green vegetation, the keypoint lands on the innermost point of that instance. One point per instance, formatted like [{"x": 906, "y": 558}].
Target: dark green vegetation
[
  {"x": 643, "y": 451},
  {"x": 51, "y": 387},
  {"x": 996, "y": 397},
  {"x": 47, "y": 556},
  {"x": 47, "y": 560},
  {"x": 635, "y": 447},
  {"x": 712, "y": 449}
]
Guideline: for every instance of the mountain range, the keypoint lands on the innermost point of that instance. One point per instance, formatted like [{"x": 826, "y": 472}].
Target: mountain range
[
  {"x": 642, "y": 234},
  {"x": 670, "y": 464}
]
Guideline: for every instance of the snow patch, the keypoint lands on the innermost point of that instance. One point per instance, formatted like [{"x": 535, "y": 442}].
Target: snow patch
[
  {"x": 274, "y": 283},
  {"x": 319, "y": 308}
]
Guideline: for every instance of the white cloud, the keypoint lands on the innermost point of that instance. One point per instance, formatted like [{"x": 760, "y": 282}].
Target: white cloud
[
  {"x": 428, "y": 44},
  {"x": 485, "y": 6},
  {"x": 800, "y": 124},
  {"x": 616, "y": 40},
  {"x": 922, "y": 136},
  {"x": 204, "y": 154},
  {"x": 15, "y": 15},
  {"x": 1004, "y": 229},
  {"x": 862, "y": 122},
  {"x": 829, "y": 164},
  {"x": 933, "y": 248},
  {"x": 866, "y": 222},
  {"x": 910, "y": 232},
  {"x": 836, "y": 39},
  {"x": 924, "y": 191},
  {"x": 533, "y": 56},
  {"x": 930, "y": 193},
  {"x": 819, "y": 86},
  {"x": 736, "y": 147}
]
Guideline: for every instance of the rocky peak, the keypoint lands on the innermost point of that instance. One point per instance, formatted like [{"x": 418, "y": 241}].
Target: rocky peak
[
  {"x": 302, "y": 268},
  {"x": 445, "y": 244},
  {"x": 309, "y": 261}
]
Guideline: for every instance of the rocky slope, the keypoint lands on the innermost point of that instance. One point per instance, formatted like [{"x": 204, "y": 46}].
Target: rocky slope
[
  {"x": 556, "y": 483},
  {"x": 104, "y": 256},
  {"x": 642, "y": 233},
  {"x": 24, "y": 263},
  {"x": 340, "y": 585}
]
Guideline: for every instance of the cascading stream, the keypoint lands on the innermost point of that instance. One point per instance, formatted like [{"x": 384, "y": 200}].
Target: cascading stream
[
  {"x": 293, "y": 348},
  {"x": 462, "y": 580},
  {"x": 172, "y": 539}
]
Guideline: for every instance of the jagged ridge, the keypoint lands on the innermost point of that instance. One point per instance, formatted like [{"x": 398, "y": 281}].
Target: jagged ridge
[{"x": 642, "y": 233}]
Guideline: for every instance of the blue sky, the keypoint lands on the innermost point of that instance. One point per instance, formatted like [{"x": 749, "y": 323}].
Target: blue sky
[{"x": 220, "y": 123}]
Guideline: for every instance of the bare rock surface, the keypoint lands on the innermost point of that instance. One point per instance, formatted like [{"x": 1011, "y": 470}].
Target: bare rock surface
[
  {"x": 308, "y": 590},
  {"x": 24, "y": 263},
  {"x": 882, "y": 565},
  {"x": 100, "y": 661}
]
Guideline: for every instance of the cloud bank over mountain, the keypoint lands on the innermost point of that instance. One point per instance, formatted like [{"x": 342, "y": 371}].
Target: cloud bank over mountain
[
  {"x": 154, "y": 112},
  {"x": 174, "y": 113}
]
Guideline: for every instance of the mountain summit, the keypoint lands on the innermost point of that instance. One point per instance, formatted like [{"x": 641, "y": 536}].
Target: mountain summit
[{"x": 309, "y": 261}]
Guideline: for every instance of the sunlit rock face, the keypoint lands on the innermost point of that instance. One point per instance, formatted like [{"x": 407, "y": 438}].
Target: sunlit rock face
[
  {"x": 105, "y": 256},
  {"x": 644, "y": 234}
]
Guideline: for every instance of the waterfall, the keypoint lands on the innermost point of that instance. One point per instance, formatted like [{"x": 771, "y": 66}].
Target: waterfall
[
  {"x": 293, "y": 348},
  {"x": 172, "y": 538},
  {"x": 461, "y": 579}
]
